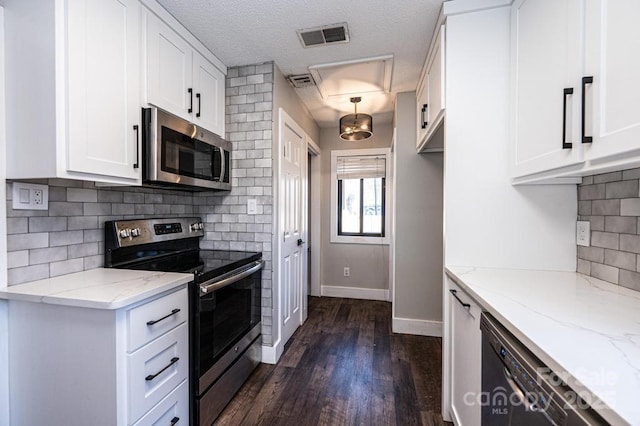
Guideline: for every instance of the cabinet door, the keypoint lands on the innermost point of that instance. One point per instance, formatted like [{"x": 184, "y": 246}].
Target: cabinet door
[
  {"x": 546, "y": 60},
  {"x": 103, "y": 96},
  {"x": 208, "y": 83},
  {"x": 466, "y": 358},
  {"x": 169, "y": 69},
  {"x": 613, "y": 99},
  {"x": 435, "y": 84}
]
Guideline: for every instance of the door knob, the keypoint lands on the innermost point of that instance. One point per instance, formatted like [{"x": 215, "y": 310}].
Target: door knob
[{"x": 300, "y": 242}]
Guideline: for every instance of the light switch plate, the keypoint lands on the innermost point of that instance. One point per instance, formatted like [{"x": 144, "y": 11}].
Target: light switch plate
[
  {"x": 252, "y": 206},
  {"x": 30, "y": 196},
  {"x": 583, "y": 233}
]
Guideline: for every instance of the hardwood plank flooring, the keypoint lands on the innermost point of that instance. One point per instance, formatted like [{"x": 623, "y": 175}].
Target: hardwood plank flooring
[{"x": 345, "y": 367}]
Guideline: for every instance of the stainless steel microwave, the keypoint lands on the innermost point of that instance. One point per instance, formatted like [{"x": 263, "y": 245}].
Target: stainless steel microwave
[{"x": 179, "y": 154}]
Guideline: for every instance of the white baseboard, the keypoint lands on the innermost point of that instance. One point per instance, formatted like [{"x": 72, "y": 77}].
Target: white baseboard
[
  {"x": 355, "y": 293},
  {"x": 271, "y": 354},
  {"x": 416, "y": 326}
]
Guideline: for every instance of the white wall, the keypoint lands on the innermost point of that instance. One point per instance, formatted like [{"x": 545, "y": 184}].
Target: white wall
[
  {"x": 285, "y": 97},
  {"x": 417, "y": 307},
  {"x": 368, "y": 263},
  {"x": 4, "y": 326}
]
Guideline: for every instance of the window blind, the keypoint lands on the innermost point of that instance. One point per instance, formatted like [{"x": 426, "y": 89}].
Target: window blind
[{"x": 361, "y": 167}]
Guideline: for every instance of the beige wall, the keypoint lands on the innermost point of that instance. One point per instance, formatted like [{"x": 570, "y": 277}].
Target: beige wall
[
  {"x": 285, "y": 97},
  {"x": 418, "y": 217},
  {"x": 369, "y": 263}
]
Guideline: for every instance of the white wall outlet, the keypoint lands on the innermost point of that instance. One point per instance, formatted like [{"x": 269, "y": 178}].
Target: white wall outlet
[
  {"x": 583, "y": 233},
  {"x": 252, "y": 206},
  {"x": 29, "y": 196},
  {"x": 347, "y": 271}
]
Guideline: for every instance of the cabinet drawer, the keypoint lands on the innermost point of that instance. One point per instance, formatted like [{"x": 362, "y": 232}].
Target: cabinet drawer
[
  {"x": 171, "y": 411},
  {"x": 156, "y": 369},
  {"x": 153, "y": 319}
]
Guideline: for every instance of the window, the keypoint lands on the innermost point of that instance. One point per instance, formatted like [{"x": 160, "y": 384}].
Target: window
[{"x": 359, "y": 196}]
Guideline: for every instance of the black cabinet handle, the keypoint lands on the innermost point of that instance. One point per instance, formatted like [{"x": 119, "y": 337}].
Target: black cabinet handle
[
  {"x": 173, "y": 312},
  {"x": 199, "y": 104},
  {"x": 565, "y": 145},
  {"x": 174, "y": 421},
  {"x": 153, "y": 376},
  {"x": 585, "y": 81},
  {"x": 137, "y": 130},
  {"x": 464, "y": 305},
  {"x": 190, "y": 91},
  {"x": 424, "y": 119}
]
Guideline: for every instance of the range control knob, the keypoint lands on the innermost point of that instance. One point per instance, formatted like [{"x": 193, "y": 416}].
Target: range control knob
[
  {"x": 200, "y": 226},
  {"x": 135, "y": 232},
  {"x": 125, "y": 233},
  {"x": 197, "y": 226}
]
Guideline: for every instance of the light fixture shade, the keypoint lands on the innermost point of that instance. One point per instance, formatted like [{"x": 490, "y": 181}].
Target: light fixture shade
[{"x": 356, "y": 127}]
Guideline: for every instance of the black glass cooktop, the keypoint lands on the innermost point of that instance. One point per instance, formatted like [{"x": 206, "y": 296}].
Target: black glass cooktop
[{"x": 205, "y": 264}]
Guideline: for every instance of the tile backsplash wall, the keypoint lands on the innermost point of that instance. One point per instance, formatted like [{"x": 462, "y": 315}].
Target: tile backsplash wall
[
  {"x": 69, "y": 237},
  {"x": 611, "y": 203},
  {"x": 249, "y": 123}
]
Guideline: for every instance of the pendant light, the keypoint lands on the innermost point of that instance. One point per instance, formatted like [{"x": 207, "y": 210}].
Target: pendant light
[{"x": 356, "y": 127}]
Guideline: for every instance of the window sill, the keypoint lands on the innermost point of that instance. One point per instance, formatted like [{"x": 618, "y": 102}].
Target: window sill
[{"x": 344, "y": 239}]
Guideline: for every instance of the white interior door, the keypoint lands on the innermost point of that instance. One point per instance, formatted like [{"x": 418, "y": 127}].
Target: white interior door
[{"x": 293, "y": 253}]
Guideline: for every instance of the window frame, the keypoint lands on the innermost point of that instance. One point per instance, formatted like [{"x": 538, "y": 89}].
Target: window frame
[{"x": 349, "y": 238}]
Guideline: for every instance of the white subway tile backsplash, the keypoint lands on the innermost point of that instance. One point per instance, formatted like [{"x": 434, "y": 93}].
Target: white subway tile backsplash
[
  {"x": 47, "y": 255},
  {"x": 65, "y": 267},
  {"x": 27, "y": 241},
  {"x": 17, "y": 259},
  {"x": 630, "y": 207},
  {"x": 82, "y": 195},
  {"x": 27, "y": 273}
]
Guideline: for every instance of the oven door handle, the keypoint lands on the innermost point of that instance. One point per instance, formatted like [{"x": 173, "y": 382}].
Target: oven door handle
[{"x": 214, "y": 285}]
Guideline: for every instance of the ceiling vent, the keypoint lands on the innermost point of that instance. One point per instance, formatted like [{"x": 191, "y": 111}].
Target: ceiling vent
[
  {"x": 301, "y": 80},
  {"x": 327, "y": 34}
]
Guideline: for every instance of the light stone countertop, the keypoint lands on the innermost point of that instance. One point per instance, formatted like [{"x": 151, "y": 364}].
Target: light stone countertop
[
  {"x": 102, "y": 288},
  {"x": 579, "y": 325}
]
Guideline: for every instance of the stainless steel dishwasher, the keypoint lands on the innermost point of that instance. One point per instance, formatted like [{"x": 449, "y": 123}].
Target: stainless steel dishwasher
[{"x": 518, "y": 389}]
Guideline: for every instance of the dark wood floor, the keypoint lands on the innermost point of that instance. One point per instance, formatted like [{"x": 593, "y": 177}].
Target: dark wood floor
[{"x": 345, "y": 367}]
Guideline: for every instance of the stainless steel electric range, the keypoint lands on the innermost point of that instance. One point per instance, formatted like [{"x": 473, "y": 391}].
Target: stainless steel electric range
[{"x": 224, "y": 302}]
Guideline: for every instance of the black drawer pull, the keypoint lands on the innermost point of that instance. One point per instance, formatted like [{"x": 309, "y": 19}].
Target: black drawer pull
[
  {"x": 585, "y": 81},
  {"x": 199, "y": 104},
  {"x": 565, "y": 145},
  {"x": 190, "y": 91},
  {"x": 174, "y": 421},
  {"x": 465, "y": 305},
  {"x": 175, "y": 311},
  {"x": 424, "y": 116},
  {"x": 153, "y": 376}
]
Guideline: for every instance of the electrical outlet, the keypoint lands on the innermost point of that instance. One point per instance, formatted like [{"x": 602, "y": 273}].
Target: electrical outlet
[
  {"x": 347, "y": 271},
  {"x": 29, "y": 196},
  {"x": 583, "y": 233}
]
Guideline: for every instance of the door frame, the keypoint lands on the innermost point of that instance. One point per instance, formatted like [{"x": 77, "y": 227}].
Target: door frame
[
  {"x": 314, "y": 211},
  {"x": 271, "y": 354}
]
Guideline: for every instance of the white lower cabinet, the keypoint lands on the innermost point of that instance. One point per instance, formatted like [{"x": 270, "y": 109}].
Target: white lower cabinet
[
  {"x": 466, "y": 357},
  {"x": 76, "y": 366}
]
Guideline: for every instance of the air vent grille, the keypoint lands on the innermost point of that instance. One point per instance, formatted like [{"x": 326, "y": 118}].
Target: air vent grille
[
  {"x": 327, "y": 34},
  {"x": 301, "y": 80}
]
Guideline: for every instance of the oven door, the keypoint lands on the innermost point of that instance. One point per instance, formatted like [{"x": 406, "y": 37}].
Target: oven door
[
  {"x": 228, "y": 320},
  {"x": 180, "y": 153}
]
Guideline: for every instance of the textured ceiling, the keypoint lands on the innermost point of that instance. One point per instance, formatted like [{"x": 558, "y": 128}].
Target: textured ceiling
[{"x": 242, "y": 32}]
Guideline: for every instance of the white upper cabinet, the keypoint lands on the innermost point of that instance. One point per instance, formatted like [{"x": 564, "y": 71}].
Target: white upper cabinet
[
  {"x": 73, "y": 102},
  {"x": 612, "y": 60},
  {"x": 169, "y": 63},
  {"x": 103, "y": 94},
  {"x": 180, "y": 80},
  {"x": 545, "y": 99},
  {"x": 208, "y": 106},
  {"x": 575, "y": 88},
  {"x": 431, "y": 96}
]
